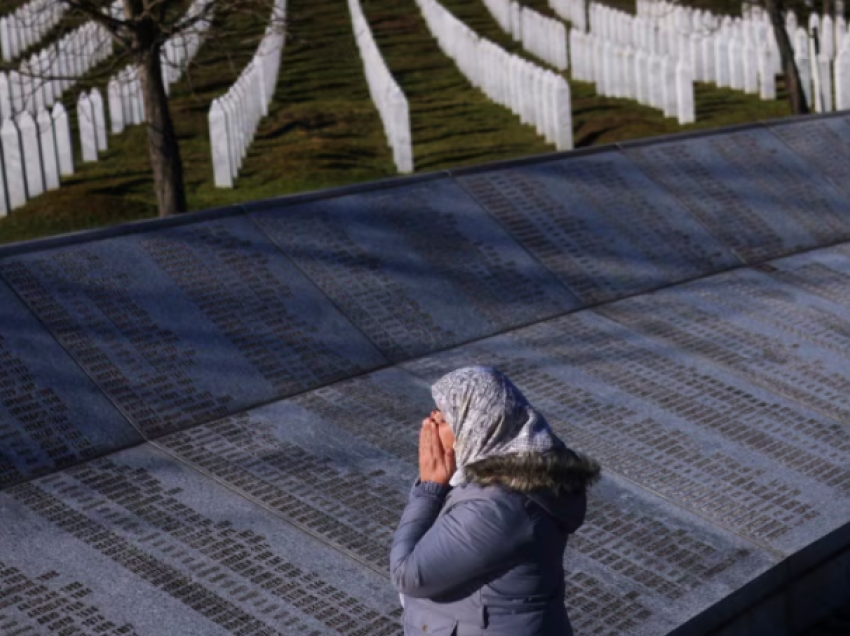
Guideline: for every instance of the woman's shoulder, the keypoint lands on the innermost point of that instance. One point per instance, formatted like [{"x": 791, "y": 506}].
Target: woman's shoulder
[{"x": 498, "y": 495}]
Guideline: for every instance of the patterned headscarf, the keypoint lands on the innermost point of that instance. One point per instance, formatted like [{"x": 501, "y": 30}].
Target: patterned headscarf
[{"x": 489, "y": 417}]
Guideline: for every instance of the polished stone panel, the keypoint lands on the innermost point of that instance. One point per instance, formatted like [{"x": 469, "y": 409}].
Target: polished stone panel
[
  {"x": 139, "y": 544},
  {"x": 766, "y": 332},
  {"x": 759, "y": 199},
  {"x": 599, "y": 224},
  {"x": 189, "y": 324},
  {"x": 417, "y": 268},
  {"x": 51, "y": 414}
]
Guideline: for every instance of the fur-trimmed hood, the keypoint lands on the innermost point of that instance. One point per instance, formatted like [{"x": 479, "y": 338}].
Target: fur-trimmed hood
[
  {"x": 563, "y": 472},
  {"x": 556, "y": 481}
]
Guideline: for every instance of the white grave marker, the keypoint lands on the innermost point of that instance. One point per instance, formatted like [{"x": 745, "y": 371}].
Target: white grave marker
[
  {"x": 86, "y": 124},
  {"x": 48, "y": 150},
  {"x": 31, "y": 155},
  {"x": 99, "y": 118},
  {"x": 16, "y": 189},
  {"x": 62, "y": 134}
]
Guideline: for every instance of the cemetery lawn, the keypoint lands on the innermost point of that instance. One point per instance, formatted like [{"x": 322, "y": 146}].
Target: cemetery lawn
[{"x": 323, "y": 130}]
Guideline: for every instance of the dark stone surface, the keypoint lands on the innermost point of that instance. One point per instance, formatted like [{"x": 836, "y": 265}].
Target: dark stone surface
[
  {"x": 51, "y": 414},
  {"x": 152, "y": 547},
  {"x": 601, "y": 225},
  {"x": 188, "y": 324},
  {"x": 338, "y": 462},
  {"x": 771, "y": 334},
  {"x": 759, "y": 199},
  {"x": 822, "y": 143},
  {"x": 416, "y": 268}
]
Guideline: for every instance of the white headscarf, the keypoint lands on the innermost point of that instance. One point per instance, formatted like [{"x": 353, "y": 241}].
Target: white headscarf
[{"x": 489, "y": 417}]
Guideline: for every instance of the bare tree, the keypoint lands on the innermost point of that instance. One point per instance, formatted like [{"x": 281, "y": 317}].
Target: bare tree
[
  {"x": 793, "y": 83},
  {"x": 135, "y": 32}
]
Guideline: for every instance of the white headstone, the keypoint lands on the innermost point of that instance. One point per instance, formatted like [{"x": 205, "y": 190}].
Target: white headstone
[
  {"x": 32, "y": 155},
  {"x": 6, "y": 42},
  {"x": 736, "y": 66},
  {"x": 86, "y": 124},
  {"x": 563, "y": 115},
  {"x": 751, "y": 69},
  {"x": 656, "y": 82},
  {"x": 46, "y": 65},
  {"x": 805, "y": 70},
  {"x": 62, "y": 134},
  {"x": 49, "y": 161},
  {"x": 99, "y": 118},
  {"x": 708, "y": 59},
  {"x": 222, "y": 174},
  {"x": 685, "y": 94},
  {"x": 4, "y": 206},
  {"x": 5, "y": 97},
  {"x": 15, "y": 184},
  {"x": 827, "y": 37},
  {"x": 842, "y": 79},
  {"x": 629, "y": 80},
  {"x": 669, "y": 88},
  {"x": 138, "y": 100},
  {"x": 400, "y": 114},
  {"x": 640, "y": 71},
  {"x": 825, "y": 81},
  {"x": 767, "y": 79},
  {"x": 721, "y": 60},
  {"x": 116, "y": 106}
]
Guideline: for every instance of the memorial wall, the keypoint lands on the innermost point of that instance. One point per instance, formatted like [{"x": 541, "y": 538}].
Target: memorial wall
[{"x": 210, "y": 425}]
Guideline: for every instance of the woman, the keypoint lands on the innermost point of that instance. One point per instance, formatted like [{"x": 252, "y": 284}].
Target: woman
[{"x": 479, "y": 549}]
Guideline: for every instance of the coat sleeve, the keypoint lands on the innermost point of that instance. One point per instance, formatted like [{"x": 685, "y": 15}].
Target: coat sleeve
[{"x": 430, "y": 557}]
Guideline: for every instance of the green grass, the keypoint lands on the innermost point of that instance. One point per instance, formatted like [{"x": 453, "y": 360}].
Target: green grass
[{"x": 323, "y": 130}]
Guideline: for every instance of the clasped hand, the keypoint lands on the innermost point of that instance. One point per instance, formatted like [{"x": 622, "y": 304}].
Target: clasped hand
[{"x": 436, "y": 463}]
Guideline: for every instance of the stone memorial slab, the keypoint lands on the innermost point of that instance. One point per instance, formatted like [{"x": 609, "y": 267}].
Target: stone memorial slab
[
  {"x": 768, "y": 333},
  {"x": 416, "y": 268},
  {"x": 824, "y": 272},
  {"x": 184, "y": 325},
  {"x": 140, "y": 545},
  {"x": 689, "y": 432},
  {"x": 338, "y": 462},
  {"x": 599, "y": 224},
  {"x": 51, "y": 414},
  {"x": 759, "y": 199},
  {"x": 822, "y": 143}
]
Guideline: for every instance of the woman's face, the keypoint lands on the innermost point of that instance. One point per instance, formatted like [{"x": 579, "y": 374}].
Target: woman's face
[{"x": 443, "y": 428}]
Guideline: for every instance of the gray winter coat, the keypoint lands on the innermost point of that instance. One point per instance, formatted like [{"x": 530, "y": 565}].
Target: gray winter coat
[{"x": 486, "y": 558}]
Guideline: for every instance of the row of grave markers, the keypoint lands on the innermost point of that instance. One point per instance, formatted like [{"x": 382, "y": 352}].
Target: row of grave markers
[
  {"x": 658, "y": 81},
  {"x": 27, "y": 25},
  {"x": 36, "y": 153},
  {"x": 43, "y": 78},
  {"x": 742, "y": 53},
  {"x": 540, "y": 97},
  {"x": 539, "y": 35},
  {"x": 386, "y": 94},
  {"x": 234, "y": 117}
]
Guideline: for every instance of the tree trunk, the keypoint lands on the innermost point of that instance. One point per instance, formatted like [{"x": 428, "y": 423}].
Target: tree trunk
[
  {"x": 162, "y": 140},
  {"x": 796, "y": 96}
]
